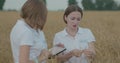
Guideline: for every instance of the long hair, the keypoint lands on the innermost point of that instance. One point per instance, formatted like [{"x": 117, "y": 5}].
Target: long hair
[{"x": 35, "y": 13}]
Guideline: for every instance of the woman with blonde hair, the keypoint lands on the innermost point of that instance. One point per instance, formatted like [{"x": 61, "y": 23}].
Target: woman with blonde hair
[{"x": 27, "y": 38}]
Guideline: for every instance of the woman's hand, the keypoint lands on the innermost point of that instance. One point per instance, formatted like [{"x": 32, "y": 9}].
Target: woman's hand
[
  {"x": 77, "y": 52},
  {"x": 44, "y": 55},
  {"x": 89, "y": 53},
  {"x": 60, "y": 45}
]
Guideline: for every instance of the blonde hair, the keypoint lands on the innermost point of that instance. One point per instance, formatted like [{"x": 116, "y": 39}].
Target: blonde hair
[{"x": 35, "y": 13}]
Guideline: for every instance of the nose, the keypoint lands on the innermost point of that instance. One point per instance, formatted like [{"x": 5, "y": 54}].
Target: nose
[{"x": 76, "y": 21}]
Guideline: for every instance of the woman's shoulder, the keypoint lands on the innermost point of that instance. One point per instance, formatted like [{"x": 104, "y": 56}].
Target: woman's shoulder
[
  {"x": 82, "y": 29},
  {"x": 20, "y": 30},
  {"x": 60, "y": 33},
  {"x": 21, "y": 26},
  {"x": 20, "y": 23}
]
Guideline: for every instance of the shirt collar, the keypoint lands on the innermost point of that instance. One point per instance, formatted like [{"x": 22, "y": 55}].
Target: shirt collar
[
  {"x": 65, "y": 32},
  {"x": 79, "y": 31}
]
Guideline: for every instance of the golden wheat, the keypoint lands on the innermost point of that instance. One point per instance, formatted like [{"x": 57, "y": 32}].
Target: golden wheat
[{"x": 104, "y": 25}]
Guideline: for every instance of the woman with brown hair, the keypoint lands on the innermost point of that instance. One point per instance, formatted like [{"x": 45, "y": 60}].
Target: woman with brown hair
[
  {"x": 27, "y": 38},
  {"x": 78, "y": 41}
]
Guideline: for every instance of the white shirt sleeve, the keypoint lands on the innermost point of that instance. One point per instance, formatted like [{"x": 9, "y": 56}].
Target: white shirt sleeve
[
  {"x": 44, "y": 40},
  {"x": 27, "y": 38},
  {"x": 90, "y": 36},
  {"x": 56, "y": 39}
]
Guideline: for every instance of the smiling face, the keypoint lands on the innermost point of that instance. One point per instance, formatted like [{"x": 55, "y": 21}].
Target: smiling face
[{"x": 73, "y": 19}]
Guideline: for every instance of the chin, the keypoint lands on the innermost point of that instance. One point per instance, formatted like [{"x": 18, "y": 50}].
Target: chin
[{"x": 74, "y": 28}]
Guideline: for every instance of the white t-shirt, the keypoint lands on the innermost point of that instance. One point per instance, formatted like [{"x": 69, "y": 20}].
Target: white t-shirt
[
  {"x": 80, "y": 41},
  {"x": 23, "y": 34}
]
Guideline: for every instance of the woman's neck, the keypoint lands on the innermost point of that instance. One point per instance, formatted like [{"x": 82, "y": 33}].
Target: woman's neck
[{"x": 71, "y": 32}]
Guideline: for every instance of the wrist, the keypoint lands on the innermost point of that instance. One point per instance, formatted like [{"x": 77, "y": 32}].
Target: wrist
[
  {"x": 40, "y": 59},
  {"x": 69, "y": 55}
]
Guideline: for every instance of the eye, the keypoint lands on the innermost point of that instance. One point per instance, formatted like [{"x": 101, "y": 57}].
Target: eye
[
  {"x": 72, "y": 18},
  {"x": 78, "y": 19}
]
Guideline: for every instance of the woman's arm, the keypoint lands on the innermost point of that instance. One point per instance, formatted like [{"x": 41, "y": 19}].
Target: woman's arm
[
  {"x": 90, "y": 52},
  {"x": 24, "y": 54},
  {"x": 44, "y": 55},
  {"x": 91, "y": 46},
  {"x": 64, "y": 57}
]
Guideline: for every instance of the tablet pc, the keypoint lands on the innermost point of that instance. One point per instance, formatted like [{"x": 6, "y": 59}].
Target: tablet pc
[{"x": 57, "y": 50}]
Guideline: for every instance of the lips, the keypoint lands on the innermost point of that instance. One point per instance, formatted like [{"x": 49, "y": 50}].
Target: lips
[{"x": 74, "y": 25}]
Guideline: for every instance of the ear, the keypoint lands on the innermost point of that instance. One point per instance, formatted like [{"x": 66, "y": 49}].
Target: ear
[{"x": 65, "y": 18}]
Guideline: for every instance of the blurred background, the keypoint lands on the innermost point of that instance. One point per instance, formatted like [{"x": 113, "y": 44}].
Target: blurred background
[
  {"x": 56, "y": 5},
  {"x": 101, "y": 16}
]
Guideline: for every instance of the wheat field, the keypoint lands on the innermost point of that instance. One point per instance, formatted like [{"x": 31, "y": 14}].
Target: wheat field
[{"x": 105, "y": 26}]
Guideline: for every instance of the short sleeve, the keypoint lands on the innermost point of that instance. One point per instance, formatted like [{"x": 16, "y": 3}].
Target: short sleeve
[
  {"x": 26, "y": 38},
  {"x": 56, "y": 39},
  {"x": 44, "y": 40},
  {"x": 90, "y": 36}
]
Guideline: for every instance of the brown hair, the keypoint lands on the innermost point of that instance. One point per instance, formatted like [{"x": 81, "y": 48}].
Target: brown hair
[
  {"x": 70, "y": 9},
  {"x": 34, "y": 12}
]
